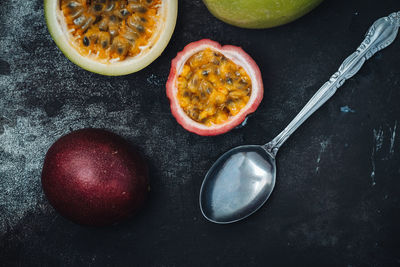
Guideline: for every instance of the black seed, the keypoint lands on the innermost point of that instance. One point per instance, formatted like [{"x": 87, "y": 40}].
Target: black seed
[
  {"x": 104, "y": 44},
  {"x": 124, "y": 12},
  {"x": 98, "y": 19},
  {"x": 149, "y": 1},
  {"x": 194, "y": 113},
  {"x": 205, "y": 72},
  {"x": 186, "y": 94},
  {"x": 120, "y": 50},
  {"x": 98, "y": 7},
  {"x": 135, "y": 25},
  {"x": 142, "y": 9},
  {"x": 113, "y": 18},
  {"x": 209, "y": 90},
  {"x": 229, "y": 80},
  {"x": 140, "y": 28},
  {"x": 243, "y": 82},
  {"x": 86, "y": 41},
  {"x": 143, "y": 19}
]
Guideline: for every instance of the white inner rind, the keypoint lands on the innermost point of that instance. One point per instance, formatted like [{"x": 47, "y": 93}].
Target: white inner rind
[
  {"x": 157, "y": 43},
  {"x": 239, "y": 60}
]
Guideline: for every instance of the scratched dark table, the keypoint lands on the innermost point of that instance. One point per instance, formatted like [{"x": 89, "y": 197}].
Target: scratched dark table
[{"x": 336, "y": 202}]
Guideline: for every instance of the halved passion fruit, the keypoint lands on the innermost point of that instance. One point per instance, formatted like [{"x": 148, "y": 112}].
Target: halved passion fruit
[
  {"x": 111, "y": 37},
  {"x": 212, "y": 88}
]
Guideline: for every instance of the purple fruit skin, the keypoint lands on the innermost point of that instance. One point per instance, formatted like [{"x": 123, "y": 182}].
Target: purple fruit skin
[{"x": 94, "y": 177}]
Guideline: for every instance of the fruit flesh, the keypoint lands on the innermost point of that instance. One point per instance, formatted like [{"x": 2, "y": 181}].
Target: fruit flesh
[
  {"x": 212, "y": 88},
  {"x": 259, "y": 14},
  {"x": 110, "y": 29}
]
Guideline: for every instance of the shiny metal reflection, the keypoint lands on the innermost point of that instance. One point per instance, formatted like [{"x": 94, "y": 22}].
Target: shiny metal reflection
[{"x": 237, "y": 184}]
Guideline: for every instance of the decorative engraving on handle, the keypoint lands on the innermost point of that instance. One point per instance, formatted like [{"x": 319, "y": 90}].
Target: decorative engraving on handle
[
  {"x": 381, "y": 34},
  {"x": 394, "y": 19}
]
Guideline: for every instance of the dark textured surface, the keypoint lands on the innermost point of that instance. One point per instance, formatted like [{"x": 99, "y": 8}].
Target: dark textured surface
[{"x": 336, "y": 201}]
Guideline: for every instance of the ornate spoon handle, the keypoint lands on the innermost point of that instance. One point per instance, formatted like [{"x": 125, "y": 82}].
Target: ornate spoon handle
[{"x": 380, "y": 35}]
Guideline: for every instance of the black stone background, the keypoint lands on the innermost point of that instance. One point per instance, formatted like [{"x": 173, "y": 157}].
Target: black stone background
[{"x": 328, "y": 209}]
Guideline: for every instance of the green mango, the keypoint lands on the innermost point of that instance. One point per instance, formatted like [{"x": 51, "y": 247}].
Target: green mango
[{"x": 259, "y": 14}]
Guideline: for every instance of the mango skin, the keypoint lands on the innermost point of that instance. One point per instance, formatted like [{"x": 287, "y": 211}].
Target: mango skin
[{"x": 259, "y": 14}]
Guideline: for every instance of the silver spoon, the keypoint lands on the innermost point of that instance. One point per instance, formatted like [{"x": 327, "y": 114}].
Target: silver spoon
[{"x": 242, "y": 179}]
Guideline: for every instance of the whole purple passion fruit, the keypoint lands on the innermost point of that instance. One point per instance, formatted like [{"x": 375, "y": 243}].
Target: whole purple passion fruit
[{"x": 94, "y": 177}]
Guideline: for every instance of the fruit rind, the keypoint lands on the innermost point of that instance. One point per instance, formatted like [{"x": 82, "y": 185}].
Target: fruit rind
[
  {"x": 238, "y": 56},
  {"x": 255, "y": 14},
  {"x": 117, "y": 68}
]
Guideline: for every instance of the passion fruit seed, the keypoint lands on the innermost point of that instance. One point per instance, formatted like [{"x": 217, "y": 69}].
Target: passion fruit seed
[
  {"x": 125, "y": 24},
  {"x": 212, "y": 88},
  {"x": 98, "y": 7},
  {"x": 86, "y": 41}
]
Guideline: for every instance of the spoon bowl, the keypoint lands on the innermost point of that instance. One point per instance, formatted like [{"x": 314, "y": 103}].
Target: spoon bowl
[{"x": 238, "y": 184}]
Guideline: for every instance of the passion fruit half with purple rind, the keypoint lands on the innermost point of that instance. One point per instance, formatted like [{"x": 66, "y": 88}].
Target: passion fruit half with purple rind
[{"x": 213, "y": 88}]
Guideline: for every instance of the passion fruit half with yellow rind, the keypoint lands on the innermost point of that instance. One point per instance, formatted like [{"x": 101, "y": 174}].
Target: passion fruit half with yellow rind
[
  {"x": 212, "y": 88},
  {"x": 111, "y": 37}
]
